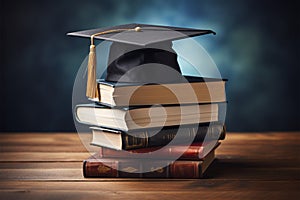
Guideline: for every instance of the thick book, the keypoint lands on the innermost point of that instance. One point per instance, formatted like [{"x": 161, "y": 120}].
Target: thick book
[
  {"x": 143, "y": 138},
  {"x": 203, "y": 90},
  {"x": 196, "y": 151},
  {"x": 131, "y": 118},
  {"x": 96, "y": 167}
]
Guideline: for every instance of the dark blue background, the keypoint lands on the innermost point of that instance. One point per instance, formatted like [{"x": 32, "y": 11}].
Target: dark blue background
[{"x": 256, "y": 48}]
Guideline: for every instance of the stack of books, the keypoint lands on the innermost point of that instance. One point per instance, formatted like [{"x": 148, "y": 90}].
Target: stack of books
[{"x": 146, "y": 131}]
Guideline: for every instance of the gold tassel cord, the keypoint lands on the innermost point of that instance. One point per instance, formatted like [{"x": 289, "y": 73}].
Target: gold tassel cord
[{"x": 92, "y": 86}]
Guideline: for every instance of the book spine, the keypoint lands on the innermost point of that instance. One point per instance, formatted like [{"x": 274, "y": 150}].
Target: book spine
[
  {"x": 195, "y": 152},
  {"x": 184, "y": 135},
  {"x": 192, "y": 153},
  {"x": 99, "y": 169},
  {"x": 108, "y": 169}
]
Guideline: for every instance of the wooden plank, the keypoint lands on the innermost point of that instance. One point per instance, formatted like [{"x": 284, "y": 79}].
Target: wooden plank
[
  {"x": 39, "y": 138},
  {"x": 145, "y": 195},
  {"x": 42, "y": 174},
  {"x": 186, "y": 189},
  {"x": 220, "y": 170},
  {"x": 152, "y": 185},
  {"x": 267, "y": 136},
  {"x": 259, "y": 151},
  {"x": 70, "y": 142},
  {"x": 42, "y": 156},
  {"x": 43, "y": 138},
  {"x": 45, "y": 142},
  {"x": 71, "y": 138},
  {"x": 41, "y": 165},
  {"x": 243, "y": 169},
  {"x": 250, "y": 152},
  {"x": 237, "y": 163},
  {"x": 43, "y": 148},
  {"x": 244, "y": 151}
]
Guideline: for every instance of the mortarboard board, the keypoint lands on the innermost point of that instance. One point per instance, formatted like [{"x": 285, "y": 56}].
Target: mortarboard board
[{"x": 134, "y": 45}]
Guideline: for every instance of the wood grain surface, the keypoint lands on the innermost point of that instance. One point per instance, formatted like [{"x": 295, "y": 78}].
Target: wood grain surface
[{"x": 248, "y": 166}]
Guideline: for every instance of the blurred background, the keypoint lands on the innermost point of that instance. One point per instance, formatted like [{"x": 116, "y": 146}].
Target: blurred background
[{"x": 256, "y": 48}]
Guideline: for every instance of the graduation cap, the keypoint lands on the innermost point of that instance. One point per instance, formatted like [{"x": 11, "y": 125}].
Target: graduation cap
[{"x": 135, "y": 45}]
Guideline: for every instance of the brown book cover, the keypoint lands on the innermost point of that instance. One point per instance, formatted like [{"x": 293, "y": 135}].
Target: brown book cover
[
  {"x": 97, "y": 167},
  {"x": 206, "y": 90},
  {"x": 196, "y": 151}
]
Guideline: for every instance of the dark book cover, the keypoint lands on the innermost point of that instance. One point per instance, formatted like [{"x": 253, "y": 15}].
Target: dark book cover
[
  {"x": 190, "y": 79},
  {"x": 145, "y": 138},
  {"x": 96, "y": 167}
]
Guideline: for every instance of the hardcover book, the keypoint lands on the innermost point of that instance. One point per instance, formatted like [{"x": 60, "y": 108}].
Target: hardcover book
[
  {"x": 196, "y": 151},
  {"x": 143, "y": 138},
  {"x": 126, "y": 119},
  {"x": 206, "y": 90},
  {"x": 130, "y": 168}
]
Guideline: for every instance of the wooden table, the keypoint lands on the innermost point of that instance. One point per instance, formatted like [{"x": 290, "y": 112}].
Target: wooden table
[{"x": 248, "y": 166}]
